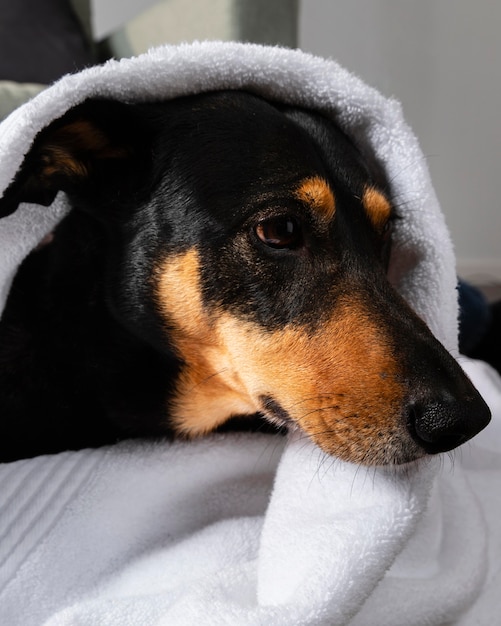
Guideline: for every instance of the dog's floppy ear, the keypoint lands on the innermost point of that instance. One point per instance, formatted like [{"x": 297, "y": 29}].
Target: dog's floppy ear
[{"x": 92, "y": 142}]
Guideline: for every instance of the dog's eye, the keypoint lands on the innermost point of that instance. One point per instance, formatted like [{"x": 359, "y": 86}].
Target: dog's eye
[
  {"x": 387, "y": 230},
  {"x": 280, "y": 232}
]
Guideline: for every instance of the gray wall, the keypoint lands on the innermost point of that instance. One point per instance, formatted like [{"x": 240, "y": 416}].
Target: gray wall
[
  {"x": 442, "y": 59},
  {"x": 111, "y": 14}
]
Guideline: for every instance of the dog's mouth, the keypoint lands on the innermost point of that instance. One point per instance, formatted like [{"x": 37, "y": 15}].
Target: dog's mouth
[
  {"x": 397, "y": 450},
  {"x": 275, "y": 413},
  {"x": 341, "y": 435}
]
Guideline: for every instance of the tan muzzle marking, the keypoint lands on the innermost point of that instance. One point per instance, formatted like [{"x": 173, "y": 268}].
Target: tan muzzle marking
[{"x": 340, "y": 384}]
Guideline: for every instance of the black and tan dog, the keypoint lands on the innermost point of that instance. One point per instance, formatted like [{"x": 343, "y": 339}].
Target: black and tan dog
[{"x": 224, "y": 257}]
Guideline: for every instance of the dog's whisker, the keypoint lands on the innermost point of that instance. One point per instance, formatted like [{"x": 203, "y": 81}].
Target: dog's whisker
[
  {"x": 409, "y": 166},
  {"x": 207, "y": 379}
]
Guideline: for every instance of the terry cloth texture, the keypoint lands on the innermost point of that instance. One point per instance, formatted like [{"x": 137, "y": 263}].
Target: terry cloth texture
[{"x": 247, "y": 529}]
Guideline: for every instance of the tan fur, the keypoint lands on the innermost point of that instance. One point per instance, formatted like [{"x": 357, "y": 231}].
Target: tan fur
[
  {"x": 340, "y": 384},
  {"x": 377, "y": 207},
  {"x": 208, "y": 390},
  {"x": 316, "y": 193}
]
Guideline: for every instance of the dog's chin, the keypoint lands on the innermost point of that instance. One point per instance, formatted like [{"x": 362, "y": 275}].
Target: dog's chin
[
  {"x": 402, "y": 455},
  {"x": 397, "y": 456},
  {"x": 410, "y": 466},
  {"x": 396, "y": 451}
]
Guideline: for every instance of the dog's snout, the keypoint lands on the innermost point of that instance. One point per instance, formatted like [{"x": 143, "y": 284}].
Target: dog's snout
[{"x": 443, "y": 422}]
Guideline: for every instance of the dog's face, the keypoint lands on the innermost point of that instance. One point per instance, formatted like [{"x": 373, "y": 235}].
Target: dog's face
[{"x": 253, "y": 241}]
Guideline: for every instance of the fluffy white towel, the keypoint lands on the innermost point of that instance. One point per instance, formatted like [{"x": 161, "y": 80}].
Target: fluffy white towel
[{"x": 251, "y": 529}]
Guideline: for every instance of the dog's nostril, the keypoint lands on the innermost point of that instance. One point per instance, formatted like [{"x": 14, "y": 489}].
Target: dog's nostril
[{"x": 443, "y": 424}]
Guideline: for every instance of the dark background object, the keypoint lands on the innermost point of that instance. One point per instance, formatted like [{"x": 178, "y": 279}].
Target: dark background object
[{"x": 40, "y": 41}]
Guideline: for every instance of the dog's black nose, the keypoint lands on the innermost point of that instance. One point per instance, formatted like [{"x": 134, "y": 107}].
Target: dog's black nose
[{"x": 443, "y": 423}]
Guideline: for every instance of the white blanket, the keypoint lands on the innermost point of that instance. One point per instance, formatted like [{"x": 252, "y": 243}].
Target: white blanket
[{"x": 254, "y": 529}]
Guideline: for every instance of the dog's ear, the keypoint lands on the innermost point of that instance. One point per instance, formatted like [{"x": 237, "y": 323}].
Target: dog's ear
[{"x": 92, "y": 143}]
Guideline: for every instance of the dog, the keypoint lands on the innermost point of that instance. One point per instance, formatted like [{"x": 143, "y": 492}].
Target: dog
[{"x": 224, "y": 261}]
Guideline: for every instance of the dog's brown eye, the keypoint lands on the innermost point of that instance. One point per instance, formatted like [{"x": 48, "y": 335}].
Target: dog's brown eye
[{"x": 280, "y": 232}]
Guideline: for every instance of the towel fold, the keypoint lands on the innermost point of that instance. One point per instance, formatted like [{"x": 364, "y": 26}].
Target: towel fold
[{"x": 250, "y": 529}]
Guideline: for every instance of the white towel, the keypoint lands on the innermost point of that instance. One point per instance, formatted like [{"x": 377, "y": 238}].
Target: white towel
[{"x": 245, "y": 528}]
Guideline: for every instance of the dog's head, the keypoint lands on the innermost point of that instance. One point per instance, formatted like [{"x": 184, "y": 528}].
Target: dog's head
[{"x": 253, "y": 240}]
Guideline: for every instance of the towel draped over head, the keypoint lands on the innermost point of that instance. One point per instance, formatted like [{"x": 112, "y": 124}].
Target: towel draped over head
[{"x": 248, "y": 529}]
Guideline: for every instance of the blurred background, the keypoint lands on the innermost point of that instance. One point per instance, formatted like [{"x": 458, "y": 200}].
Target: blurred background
[{"x": 440, "y": 58}]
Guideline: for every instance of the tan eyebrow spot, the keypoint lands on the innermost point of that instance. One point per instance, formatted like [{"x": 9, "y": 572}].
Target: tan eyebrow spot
[
  {"x": 377, "y": 207},
  {"x": 316, "y": 192}
]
